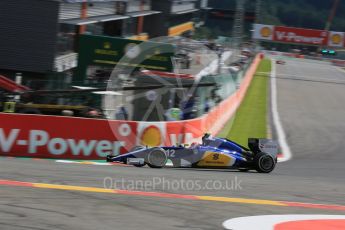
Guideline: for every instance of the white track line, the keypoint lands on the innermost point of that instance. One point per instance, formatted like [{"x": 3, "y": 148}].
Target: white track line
[
  {"x": 286, "y": 152},
  {"x": 268, "y": 222},
  {"x": 66, "y": 162}
]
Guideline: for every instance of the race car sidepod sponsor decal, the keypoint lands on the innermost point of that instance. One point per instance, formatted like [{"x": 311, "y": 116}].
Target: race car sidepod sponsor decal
[{"x": 215, "y": 159}]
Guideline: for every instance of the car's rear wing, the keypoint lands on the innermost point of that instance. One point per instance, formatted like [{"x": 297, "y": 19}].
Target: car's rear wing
[{"x": 263, "y": 145}]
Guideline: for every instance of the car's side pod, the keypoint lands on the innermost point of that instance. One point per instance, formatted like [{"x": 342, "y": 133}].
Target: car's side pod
[{"x": 269, "y": 146}]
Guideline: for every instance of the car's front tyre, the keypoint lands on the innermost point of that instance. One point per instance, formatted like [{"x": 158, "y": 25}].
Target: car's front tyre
[{"x": 156, "y": 158}]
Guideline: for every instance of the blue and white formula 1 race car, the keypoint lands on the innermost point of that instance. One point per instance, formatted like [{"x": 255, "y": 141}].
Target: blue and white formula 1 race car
[{"x": 213, "y": 152}]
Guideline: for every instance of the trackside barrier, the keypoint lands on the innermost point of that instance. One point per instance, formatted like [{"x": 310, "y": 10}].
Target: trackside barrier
[{"x": 82, "y": 138}]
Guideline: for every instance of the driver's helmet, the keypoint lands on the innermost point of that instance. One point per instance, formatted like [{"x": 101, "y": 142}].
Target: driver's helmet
[
  {"x": 194, "y": 145},
  {"x": 205, "y": 138}
]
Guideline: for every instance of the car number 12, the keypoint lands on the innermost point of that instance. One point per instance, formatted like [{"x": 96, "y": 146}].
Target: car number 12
[{"x": 171, "y": 152}]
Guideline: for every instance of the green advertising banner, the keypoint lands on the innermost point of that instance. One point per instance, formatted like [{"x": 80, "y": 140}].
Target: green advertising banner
[{"x": 110, "y": 51}]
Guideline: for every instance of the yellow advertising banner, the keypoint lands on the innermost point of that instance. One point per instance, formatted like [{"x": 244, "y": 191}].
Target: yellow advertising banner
[
  {"x": 140, "y": 37},
  {"x": 180, "y": 29}
]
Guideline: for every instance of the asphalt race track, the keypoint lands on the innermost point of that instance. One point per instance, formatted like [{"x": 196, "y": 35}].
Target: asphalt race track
[{"x": 311, "y": 98}]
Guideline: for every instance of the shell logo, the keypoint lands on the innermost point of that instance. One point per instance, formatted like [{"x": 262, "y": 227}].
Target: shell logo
[
  {"x": 151, "y": 136},
  {"x": 336, "y": 39},
  {"x": 265, "y": 32}
]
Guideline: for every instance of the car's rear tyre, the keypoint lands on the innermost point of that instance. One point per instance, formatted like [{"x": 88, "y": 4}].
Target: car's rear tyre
[
  {"x": 156, "y": 158},
  {"x": 264, "y": 163}
]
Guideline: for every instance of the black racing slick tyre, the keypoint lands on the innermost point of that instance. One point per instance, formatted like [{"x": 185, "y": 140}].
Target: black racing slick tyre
[
  {"x": 156, "y": 158},
  {"x": 139, "y": 147},
  {"x": 264, "y": 163}
]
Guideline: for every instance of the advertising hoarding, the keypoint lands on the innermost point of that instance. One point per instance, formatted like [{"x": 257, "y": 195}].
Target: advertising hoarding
[
  {"x": 111, "y": 51},
  {"x": 292, "y": 35}
]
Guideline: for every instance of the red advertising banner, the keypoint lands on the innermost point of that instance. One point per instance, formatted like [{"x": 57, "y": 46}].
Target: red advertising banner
[
  {"x": 300, "y": 36},
  {"x": 64, "y": 137}
]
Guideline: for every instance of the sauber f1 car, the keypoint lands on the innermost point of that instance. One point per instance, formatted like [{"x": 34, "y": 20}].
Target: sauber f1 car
[{"x": 213, "y": 152}]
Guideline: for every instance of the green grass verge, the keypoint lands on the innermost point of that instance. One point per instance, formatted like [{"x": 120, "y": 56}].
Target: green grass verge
[{"x": 250, "y": 119}]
